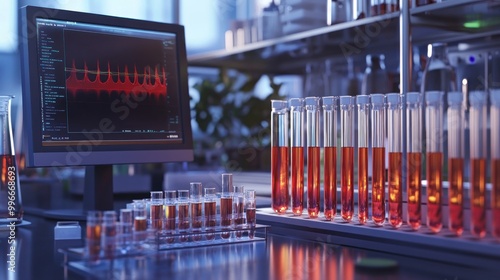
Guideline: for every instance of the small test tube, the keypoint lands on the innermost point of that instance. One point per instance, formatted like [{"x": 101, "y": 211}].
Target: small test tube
[
  {"x": 226, "y": 204},
  {"x": 478, "y": 138},
  {"x": 170, "y": 214},
  {"x": 109, "y": 231},
  {"x": 495, "y": 160},
  {"x": 183, "y": 213},
  {"x": 434, "y": 161},
  {"x": 279, "y": 156},
  {"x": 330, "y": 156},
  {"x": 455, "y": 162},
  {"x": 239, "y": 209},
  {"x": 395, "y": 150},
  {"x": 156, "y": 211},
  {"x": 140, "y": 222},
  {"x": 313, "y": 156},
  {"x": 250, "y": 211},
  {"x": 126, "y": 226},
  {"x": 414, "y": 158},
  {"x": 378, "y": 112},
  {"x": 297, "y": 158},
  {"x": 196, "y": 205},
  {"x": 210, "y": 207},
  {"x": 347, "y": 157},
  {"x": 93, "y": 235},
  {"x": 363, "y": 102}
]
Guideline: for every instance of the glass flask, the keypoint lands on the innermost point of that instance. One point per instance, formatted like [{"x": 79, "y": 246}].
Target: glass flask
[
  {"x": 363, "y": 102},
  {"x": 11, "y": 207},
  {"x": 297, "y": 158},
  {"x": 414, "y": 158},
  {"x": 279, "y": 156},
  {"x": 395, "y": 151},
  {"x": 378, "y": 112},
  {"x": 330, "y": 156},
  {"x": 313, "y": 156}
]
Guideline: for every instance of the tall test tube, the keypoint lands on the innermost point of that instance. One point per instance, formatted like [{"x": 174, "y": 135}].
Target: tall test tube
[
  {"x": 313, "y": 155},
  {"x": 330, "y": 156},
  {"x": 226, "y": 204},
  {"x": 347, "y": 157},
  {"x": 455, "y": 162},
  {"x": 156, "y": 210},
  {"x": 414, "y": 158},
  {"x": 434, "y": 161},
  {"x": 395, "y": 149},
  {"x": 495, "y": 160},
  {"x": 279, "y": 156},
  {"x": 196, "y": 205},
  {"x": 183, "y": 213},
  {"x": 297, "y": 158},
  {"x": 363, "y": 102},
  {"x": 477, "y": 124},
  {"x": 378, "y": 158}
]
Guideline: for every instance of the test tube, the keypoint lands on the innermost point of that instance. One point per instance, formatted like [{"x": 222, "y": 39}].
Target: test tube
[
  {"x": 183, "y": 213},
  {"x": 495, "y": 160},
  {"x": 109, "y": 234},
  {"x": 455, "y": 162},
  {"x": 239, "y": 209},
  {"x": 210, "y": 205},
  {"x": 279, "y": 156},
  {"x": 395, "y": 150},
  {"x": 250, "y": 211},
  {"x": 170, "y": 213},
  {"x": 477, "y": 124},
  {"x": 297, "y": 158},
  {"x": 378, "y": 158},
  {"x": 93, "y": 232},
  {"x": 140, "y": 222},
  {"x": 156, "y": 210},
  {"x": 126, "y": 225},
  {"x": 196, "y": 203},
  {"x": 226, "y": 204},
  {"x": 434, "y": 161},
  {"x": 330, "y": 156},
  {"x": 313, "y": 156},
  {"x": 363, "y": 102},
  {"x": 414, "y": 158},
  {"x": 347, "y": 157}
]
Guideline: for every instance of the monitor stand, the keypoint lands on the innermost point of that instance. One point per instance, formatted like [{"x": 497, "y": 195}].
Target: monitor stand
[{"x": 97, "y": 194}]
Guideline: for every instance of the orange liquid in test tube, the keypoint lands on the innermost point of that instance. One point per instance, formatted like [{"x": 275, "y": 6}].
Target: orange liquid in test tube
[
  {"x": 347, "y": 183},
  {"x": 297, "y": 161},
  {"x": 395, "y": 189},
  {"x": 478, "y": 196},
  {"x": 378, "y": 186},
  {"x": 279, "y": 179},
  {"x": 455, "y": 194},
  {"x": 330, "y": 181},
  {"x": 414, "y": 188},
  {"x": 313, "y": 181},
  {"x": 363, "y": 185},
  {"x": 495, "y": 173},
  {"x": 434, "y": 186}
]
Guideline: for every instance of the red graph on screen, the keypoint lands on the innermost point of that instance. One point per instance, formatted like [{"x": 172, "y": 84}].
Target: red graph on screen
[{"x": 152, "y": 83}]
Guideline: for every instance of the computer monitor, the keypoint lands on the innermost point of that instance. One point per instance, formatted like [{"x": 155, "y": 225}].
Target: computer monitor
[{"x": 101, "y": 90}]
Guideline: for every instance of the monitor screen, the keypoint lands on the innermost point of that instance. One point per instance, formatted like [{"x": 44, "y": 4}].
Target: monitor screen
[{"x": 103, "y": 90}]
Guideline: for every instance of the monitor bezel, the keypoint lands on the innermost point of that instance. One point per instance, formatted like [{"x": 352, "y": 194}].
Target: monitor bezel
[{"x": 82, "y": 154}]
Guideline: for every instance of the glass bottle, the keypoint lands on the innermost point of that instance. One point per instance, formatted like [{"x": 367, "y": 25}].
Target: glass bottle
[
  {"x": 478, "y": 156},
  {"x": 414, "y": 158},
  {"x": 363, "y": 102},
  {"x": 226, "y": 204},
  {"x": 395, "y": 150},
  {"x": 330, "y": 156},
  {"x": 455, "y": 161},
  {"x": 196, "y": 205},
  {"x": 347, "y": 157},
  {"x": 297, "y": 158},
  {"x": 375, "y": 79},
  {"x": 378, "y": 112},
  {"x": 279, "y": 156},
  {"x": 495, "y": 160},
  {"x": 11, "y": 207},
  {"x": 434, "y": 158},
  {"x": 313, "y": 156}
]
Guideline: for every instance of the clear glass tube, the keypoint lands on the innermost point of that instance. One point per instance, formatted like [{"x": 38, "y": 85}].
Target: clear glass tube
[
  {"x": 363, "y": 102},
  {"x": 126, "y": 225},
  {"x": 395, "y": 150},
  {"x": 140, "y": 222},
  {"x": 478, "y": 156},
  {"x": 495, "y": 160},
  {"x": 330, "y": 156},
  {"x": 196, "y": 205},
  {"x": 455, "y": 161},
  {"x": 347, "y": 157},
  {"x": 434, "y": 158},
  {"x": 239, "y": 209},
  {"x": 279, "y": 156},
  {"x": 297, "y": 158},
  {"x": 250, "y": 211},
  {"x": 378, "y": 112},
  {"x": 313, "y": 155},
  {"x": 210, "y": 207},
  {"x": 183, "y": 213},
  {"x": 93, "y": 235},
  {"x": 170, "y": 213},
  {"x": 109, "y": 230},
  {"x": 414, "y": 158},
  {"x": 226, "y": 204},
  {"x": 156, "y": 210}
]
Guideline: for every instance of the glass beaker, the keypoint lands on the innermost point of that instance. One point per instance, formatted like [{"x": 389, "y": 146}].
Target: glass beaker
[
  {"x": 378, "y": 158},
  {"x": 363, "y": 102},
  {"x": 279, "y": 156},
  {"x": 313, "y": 156},
  {"x": 11, "y": 207},
  {"x": 495, "y": 160},
  {"x": 414, "y": 158},
  {"x": 330, "y": 156},
  {"x": 395, "y": 151},
  {"x": 297, "y": 158},
  {"x": 347, "y": 157}
]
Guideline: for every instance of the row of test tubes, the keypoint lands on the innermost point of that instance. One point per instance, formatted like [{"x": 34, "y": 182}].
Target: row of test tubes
[{"x": 381, "y": 117}]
